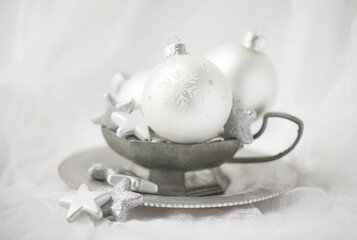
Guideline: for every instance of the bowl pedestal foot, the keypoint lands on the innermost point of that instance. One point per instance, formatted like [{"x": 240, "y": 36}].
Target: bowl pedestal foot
[{"x": 193, "y": 183}]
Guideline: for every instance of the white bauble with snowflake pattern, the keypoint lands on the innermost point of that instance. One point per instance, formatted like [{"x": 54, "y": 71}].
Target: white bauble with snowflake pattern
[{"x": 186, "y": 99}]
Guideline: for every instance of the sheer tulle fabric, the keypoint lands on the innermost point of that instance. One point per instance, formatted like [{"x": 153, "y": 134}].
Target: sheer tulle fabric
[{"x": 56, "y": 61}]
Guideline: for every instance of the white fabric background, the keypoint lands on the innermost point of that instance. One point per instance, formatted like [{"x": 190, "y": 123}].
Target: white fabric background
[{"x": 56, "y": 59}]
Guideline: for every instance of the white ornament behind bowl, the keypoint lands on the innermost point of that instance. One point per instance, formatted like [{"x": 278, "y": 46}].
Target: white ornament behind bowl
[
  {"x": 186, "y": 98},
  {"x": 251, "y": 73}
]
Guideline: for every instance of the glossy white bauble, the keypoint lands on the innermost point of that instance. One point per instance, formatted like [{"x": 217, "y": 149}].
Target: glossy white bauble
[
  {"x": 132, "y": 87},
  {"x": 251, "y": 73},
  {"x": 186, "y": 99}
]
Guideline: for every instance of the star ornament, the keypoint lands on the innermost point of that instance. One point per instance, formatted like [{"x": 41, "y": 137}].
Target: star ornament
[
  {"x": 85, "y": 201},
  {"x": 238, "y": 123},
  {"x": 100, "y": 171},
  {"x": 124, "y": 199},
  {"x": 111, "y": 105},
  {"x": 131, "y": 124}
]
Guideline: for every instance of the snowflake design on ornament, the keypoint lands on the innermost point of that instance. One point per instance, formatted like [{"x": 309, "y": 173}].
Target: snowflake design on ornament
[{"x": 180, "y": 88}]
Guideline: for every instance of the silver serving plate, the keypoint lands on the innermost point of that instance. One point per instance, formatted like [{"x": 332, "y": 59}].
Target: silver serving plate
[
  {"x": 190, "y": 169},
  {"x": 249, "y": 182}
]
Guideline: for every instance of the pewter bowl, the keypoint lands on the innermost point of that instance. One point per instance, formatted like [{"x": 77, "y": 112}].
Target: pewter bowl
[
  {"x": 173, "y": 156},
  {"x": 191, "y": 169}
]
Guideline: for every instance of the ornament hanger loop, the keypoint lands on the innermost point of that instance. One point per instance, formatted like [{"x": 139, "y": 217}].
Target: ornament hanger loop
[
  {"x": 254, "y": 39},
  {"x": 176, "y": 48},
  {"x": 173, "y": 40}
]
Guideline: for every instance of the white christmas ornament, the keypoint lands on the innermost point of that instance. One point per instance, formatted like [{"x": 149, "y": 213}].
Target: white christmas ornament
[
  {"x": 116, "y": 82},
  {"x": 132, "y": 87},
  {"x": 251, "y": 73},
  {"x": 186, "y": 99}
]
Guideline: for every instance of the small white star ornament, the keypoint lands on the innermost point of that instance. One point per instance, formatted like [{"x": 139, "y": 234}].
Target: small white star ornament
[
  {"x": 85, "y": 201},
  {"x": 111, "y": 105},
  {"x": 238, "y": 123},
  {"x": 131, "y": 124}
]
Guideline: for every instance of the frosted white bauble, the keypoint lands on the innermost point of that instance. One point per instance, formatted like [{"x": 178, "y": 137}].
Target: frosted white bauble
[
  {"x": 186, "y": 99},
  {"x": 116, "y": 81},
  {"x": 252, "y": 75},
  {"x": 132, "y": 87}
]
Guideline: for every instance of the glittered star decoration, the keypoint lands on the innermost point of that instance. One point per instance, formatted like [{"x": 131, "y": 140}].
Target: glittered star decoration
[
  {"x": 85, "y": 201},
  {"x": 100, "y": 171},
  {"x": 238, "y": 123},
  {"x": 111, "y": 105},
  {"x": 131, "y": 124},
  {"x": 137, "y": 184},
  {"x": 122, "y": 200}
]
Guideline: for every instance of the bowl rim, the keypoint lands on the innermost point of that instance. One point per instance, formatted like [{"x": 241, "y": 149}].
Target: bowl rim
[{"x": 168, "y": 156}]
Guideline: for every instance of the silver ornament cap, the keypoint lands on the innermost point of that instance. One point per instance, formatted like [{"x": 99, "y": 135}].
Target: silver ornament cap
[
  {"x": 173, "y": 49},
  {"x": 254, "y": 40}
]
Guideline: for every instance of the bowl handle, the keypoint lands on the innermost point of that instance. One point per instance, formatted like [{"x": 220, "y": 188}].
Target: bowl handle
[{"x": 260, "y": 132}]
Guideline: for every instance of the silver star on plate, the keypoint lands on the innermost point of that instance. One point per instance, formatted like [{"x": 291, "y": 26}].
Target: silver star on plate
[
  {"x": 122, "y": 200},
  {"x": 238, "y": 123},
  {"x": 85, "y": 201},
  {"x": 100, "y": 171},
  {"x": 112, "y": 105},
  {"x": 131, "y": 124}
]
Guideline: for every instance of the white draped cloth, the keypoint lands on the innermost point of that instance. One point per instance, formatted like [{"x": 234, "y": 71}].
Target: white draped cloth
[{"x": 56, "y": 60}]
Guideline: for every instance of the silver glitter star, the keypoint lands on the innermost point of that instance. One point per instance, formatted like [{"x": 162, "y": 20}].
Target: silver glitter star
[
  {"x": 238, "y": 123},
  {"x": 100, "y": 171},
  {"x": 85, "y": 201},
  {"x": 112, "y": 105},
  {"x": 123, "y": 200},
  {"x": 131, "y": 124}
]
